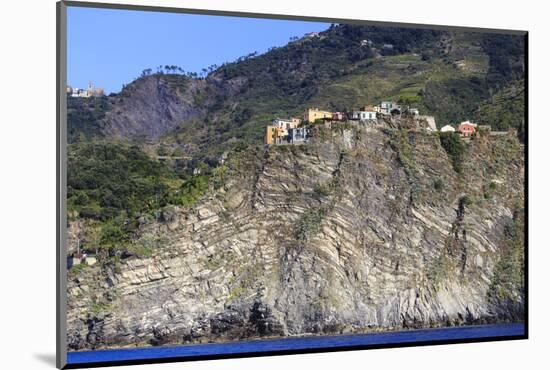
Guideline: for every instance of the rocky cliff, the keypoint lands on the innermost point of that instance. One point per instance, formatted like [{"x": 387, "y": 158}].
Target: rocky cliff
[
  {"x": 364, "y": 228},
  {"x": 156, "y": 104}
]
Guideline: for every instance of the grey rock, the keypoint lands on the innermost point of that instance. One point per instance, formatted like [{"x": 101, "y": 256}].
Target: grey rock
[{"x": 379, "y": 250}]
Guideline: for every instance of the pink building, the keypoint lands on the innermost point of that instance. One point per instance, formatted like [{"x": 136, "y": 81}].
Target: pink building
[
  {"x": 338, "y": 116},
  {"x": 467, "y": 128}
]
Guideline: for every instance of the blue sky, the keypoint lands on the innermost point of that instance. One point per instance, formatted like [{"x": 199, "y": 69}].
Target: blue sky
[{"x": 111, "y": 47}]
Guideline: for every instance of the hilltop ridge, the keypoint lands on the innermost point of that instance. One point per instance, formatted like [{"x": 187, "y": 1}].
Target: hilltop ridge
[{"x": 450, "y": 75}]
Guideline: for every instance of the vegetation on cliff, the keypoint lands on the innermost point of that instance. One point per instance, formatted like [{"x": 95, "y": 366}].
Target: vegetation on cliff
[
  {"x": 454, "y": 146},
  {"x": 508, "y": 277},
  {"x": 118, "y": 186},
  {"x": 204, "y": 234},
  {"x": 322, "y": 237}
]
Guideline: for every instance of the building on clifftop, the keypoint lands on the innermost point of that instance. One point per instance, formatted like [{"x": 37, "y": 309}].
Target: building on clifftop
[
  {"x": 85, "y": 93},
  {"x": 387, "y": 107},
  {"x": 467, "y": 128},
  {"x": 363, "y": 115},
  {"x": 274, "y": 134},
  {"x": 447, "y": 128},
  {"x": 297, "y": 135},
  {"x": 313, "y": 114},
  {"x": 339, "y": 116}
]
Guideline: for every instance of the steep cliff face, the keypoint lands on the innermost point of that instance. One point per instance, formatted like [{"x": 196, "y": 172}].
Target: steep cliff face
[
  {"x": 364, "y": 228},
  {"x": 154, "y": 105}
]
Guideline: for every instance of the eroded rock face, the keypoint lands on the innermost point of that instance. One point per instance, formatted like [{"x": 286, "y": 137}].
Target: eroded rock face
[
  {"x": 345, "y": 234},
  {"x": 154, "y": 105}
]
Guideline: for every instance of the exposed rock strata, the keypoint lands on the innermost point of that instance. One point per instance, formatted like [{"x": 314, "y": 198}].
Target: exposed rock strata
[{"x": 340, "y": 235}]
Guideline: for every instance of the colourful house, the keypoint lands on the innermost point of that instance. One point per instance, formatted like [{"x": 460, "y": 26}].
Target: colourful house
[
  {"x": 313, "y": 114},
  {"x": 274, "y": 134},
  {"x": 467, "y": 128},
  {"x": 338, "y": 116}
]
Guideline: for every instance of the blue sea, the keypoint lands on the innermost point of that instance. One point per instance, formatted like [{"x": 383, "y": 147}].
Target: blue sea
[{"x": 297, "y": 343}]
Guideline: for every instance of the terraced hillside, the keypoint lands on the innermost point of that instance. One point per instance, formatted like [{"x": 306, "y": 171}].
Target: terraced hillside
[{"x": 451, "y": 75}]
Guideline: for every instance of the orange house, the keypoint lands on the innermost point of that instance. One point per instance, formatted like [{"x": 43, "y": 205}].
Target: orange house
[{"x": 274, "y": 134}]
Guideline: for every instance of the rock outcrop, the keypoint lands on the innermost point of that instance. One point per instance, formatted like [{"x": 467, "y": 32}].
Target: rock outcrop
[
  {"x": 154, "y": 105},
  {"x": 363, "y": 228}
]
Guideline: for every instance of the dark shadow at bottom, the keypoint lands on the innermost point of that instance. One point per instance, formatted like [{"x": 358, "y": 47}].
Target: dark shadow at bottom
[{"x": 47, "y": 358}]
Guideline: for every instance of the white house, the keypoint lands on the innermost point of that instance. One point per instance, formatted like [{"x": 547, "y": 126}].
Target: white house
[
  {"x": 86, "y": 93},
  {"x": 363, "y": 115},
  {"x": 79, "y": 93},
  {"x": 447, "y": 128},
  {"x": 385, "y": 107},
  {"x": 312, "y": 34},
  {"x": 286, "y": 124},
  {"x": 297, "y": 135}
]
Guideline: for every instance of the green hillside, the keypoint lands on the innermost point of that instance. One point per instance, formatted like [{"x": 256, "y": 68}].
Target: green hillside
[
  {"x": 447, "y": 75},
  {"x": 452, "y": 75},
  {"x": 505, "y": 108}
]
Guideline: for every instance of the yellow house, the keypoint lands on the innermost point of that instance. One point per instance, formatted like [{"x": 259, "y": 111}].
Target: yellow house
[
  {"x": 274, "y": 134},
  {"x": 313, "y": 114}
]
